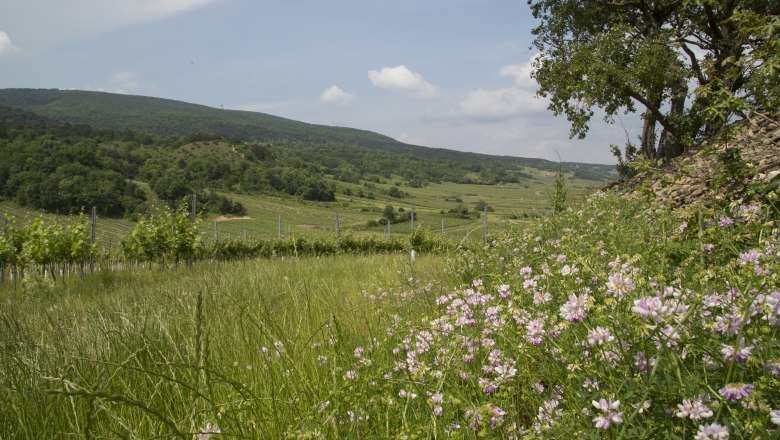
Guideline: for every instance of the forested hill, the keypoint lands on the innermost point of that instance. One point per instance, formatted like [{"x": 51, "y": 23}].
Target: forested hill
[{"x": 164, "y": 117}]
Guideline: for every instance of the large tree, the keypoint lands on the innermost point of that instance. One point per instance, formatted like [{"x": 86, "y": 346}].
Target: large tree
[{"x": 689, "y": 66}]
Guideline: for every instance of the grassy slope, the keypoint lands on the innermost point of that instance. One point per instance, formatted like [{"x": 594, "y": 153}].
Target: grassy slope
[{"x": 301, "y": 217}]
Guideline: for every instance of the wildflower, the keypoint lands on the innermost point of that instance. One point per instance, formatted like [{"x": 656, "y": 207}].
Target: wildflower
[
  {"x": 749, "y": 257},
  {"x": 497, "y": 417},
  {"x": 739, "y": 354},
  {"x": 773, "y": 366},
  {"x": 569, "y": 270},
  {"x": 729, "y": 324},
  {"x": 574, "y": 310},
  {"x": 725, "y": 221},
  {"x": 774, "y": 416},
  {"x": 599, "y": 335},
  {"x": 437, "y": 411},
  {"x": 351, "y": 374},
  {"x": 547, "y": 415},
  {"x": 695, "y": 410},
  {"x": 437, "y": 398},
  {"x": 503, "y": 291},
  {"x": 488, "y": 386},
  {"x": 542, "y": 297},
  {"x": 736, "y": 391},
  {"x": 535, "y": 330},
  {"x": 618, "y": 285},
  {"x": 207, "y": 432},
  {"x": 711, "y": 431},
  {"x": 609, "y": 413},
  {"x": 591, "y": 384},
  {"x": 649, "y": 307},
  {"x": 641, "y": 362},
  {"x": 643, "y": 406}
]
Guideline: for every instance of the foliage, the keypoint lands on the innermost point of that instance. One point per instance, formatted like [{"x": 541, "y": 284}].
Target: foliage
[
  {"x": 165, "y": 238},
  {"x": 68, "y": 174},
  {"x": 558, "y": 198},
  {"x": 625, "y": 56},
  {"x": 44, "y": 246}
]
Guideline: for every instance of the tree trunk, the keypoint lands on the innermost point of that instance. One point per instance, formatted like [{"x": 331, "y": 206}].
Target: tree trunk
[
  {"x": 647, "y": 149},
  {"x": 669, "y": 145}
]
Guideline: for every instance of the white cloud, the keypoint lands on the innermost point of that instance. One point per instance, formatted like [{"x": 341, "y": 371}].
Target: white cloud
[
  {"x": 408, "y": 138},
  {"x": 505, "y": 103},
  {"x": 39, "y": 25},
  {"x": 402, "y": 79},
  {"x": 494, "y": 104},
  {"x": 6, "y": 47},
  {"x": 335, "y": 95}
]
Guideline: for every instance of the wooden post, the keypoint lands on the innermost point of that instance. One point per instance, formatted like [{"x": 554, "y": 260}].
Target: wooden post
[
  {"x": 216, "y": 232},
  {"x": 194, "y": 207},
  {"x": 94, "y": 237},
  {"x": 280, "y": 225},
  {"x": 2, "y": 265},
  {"x": 411, "y": 216},
  {"x": 486, "y": 227},
  {"x": 442, "y": 226},
  {"x": 338, "y": 228},
  {"x": 192, "y": 222}
]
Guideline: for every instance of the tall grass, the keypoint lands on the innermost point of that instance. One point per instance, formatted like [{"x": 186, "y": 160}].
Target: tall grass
[{"x": 251, "y": 347}]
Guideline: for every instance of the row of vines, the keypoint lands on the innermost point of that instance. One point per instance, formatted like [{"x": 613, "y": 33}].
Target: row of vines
[
  {"x": 171, "y": 238},
  {"x": 48, "y": 247}
]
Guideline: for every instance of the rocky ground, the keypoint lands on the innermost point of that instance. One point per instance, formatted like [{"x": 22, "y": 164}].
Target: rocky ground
[{"x": 751, "y": 155}]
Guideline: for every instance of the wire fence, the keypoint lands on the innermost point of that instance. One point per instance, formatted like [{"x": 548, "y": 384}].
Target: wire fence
[{"x": 108, "y": 234}]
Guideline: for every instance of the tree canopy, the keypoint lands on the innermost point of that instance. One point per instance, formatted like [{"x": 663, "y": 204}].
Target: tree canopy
[{"x": 689, "y": 66}]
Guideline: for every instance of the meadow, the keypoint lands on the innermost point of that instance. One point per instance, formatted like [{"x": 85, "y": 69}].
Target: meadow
[{"x": 617, "y": 318}]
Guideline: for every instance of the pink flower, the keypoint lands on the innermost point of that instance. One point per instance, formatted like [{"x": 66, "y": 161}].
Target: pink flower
[
  {"x": 599, "y": 335},
  {"x": 695, "y": 410},
  {"x": 712, "y": 431},
  {"x": 609, "y": 415},
  {"x": 650, "y": 308},
  {"x": 574, "y": 310},
  {"x": 736, "y": 391}
]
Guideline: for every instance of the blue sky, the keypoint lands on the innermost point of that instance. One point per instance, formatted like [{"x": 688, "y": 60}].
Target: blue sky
[{"x": 441, "y": 73}]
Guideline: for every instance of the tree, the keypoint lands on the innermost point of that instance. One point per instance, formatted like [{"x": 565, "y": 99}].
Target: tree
[{"x": 644, "y": 55}]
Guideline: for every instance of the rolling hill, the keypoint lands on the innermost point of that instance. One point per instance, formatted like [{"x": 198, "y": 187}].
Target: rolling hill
[{"x": 164, "y": 117}]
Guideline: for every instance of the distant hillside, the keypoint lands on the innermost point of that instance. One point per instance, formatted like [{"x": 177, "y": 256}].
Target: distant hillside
[{"x": 166, "y": 117}]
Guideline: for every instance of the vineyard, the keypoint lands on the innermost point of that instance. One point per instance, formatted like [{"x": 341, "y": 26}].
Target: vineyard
[{"x": 48, "y": 247}]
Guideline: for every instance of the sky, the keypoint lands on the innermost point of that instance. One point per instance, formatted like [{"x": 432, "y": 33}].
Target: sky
[{"x": 440, "y": 73}]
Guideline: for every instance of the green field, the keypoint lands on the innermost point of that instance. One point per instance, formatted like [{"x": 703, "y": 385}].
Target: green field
[
  {"x": 510, "y": 203},
  {"x": 547, "y": 333},
  {"x": 136, "y": 354}
]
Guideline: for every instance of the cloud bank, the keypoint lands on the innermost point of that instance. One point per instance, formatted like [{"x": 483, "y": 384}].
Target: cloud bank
[
  {"x": 39, "y": 25},
  {"x": 402, "y": 79}
]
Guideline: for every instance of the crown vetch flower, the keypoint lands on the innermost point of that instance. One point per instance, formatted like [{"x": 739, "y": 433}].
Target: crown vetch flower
[{"x": 736, "y": 391}]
